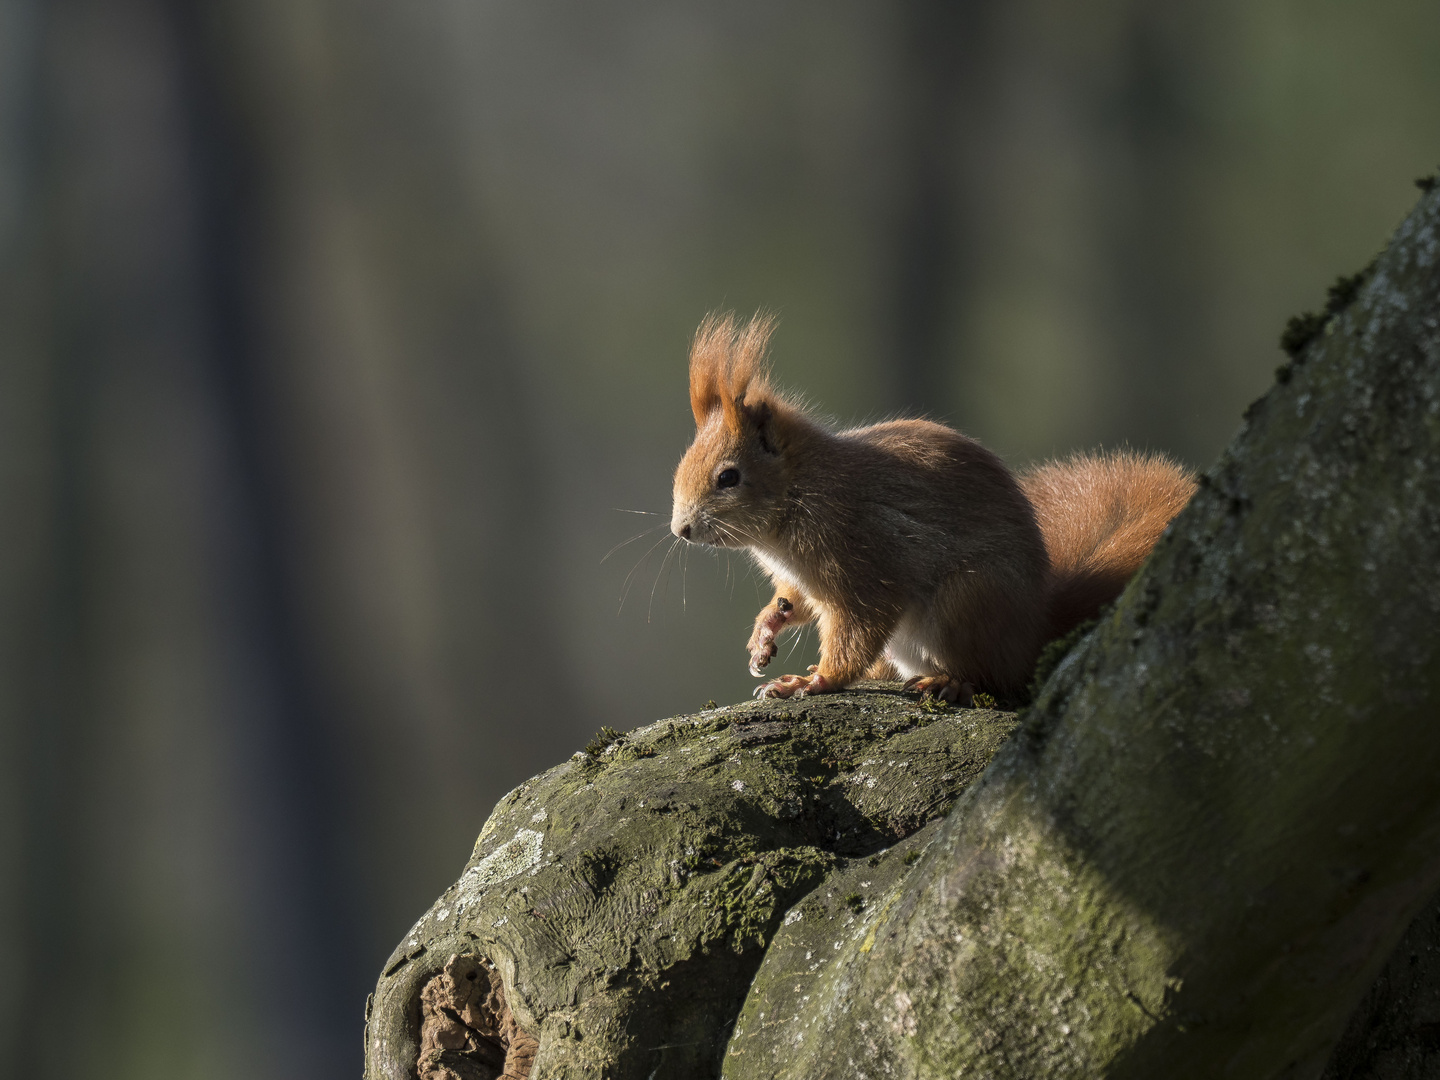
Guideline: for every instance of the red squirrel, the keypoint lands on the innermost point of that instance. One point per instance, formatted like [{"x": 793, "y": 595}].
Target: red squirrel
[{"x": 916, "y": 550}]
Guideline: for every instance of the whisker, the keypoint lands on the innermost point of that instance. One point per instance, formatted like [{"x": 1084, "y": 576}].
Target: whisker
[
  {"x": 650, "y": 611},
  {"x": 632, "y": 539},
  {"x": 622, "y": 510},
  {"x": 732, "y": 533},
  {"x": 625, "y": 589}
]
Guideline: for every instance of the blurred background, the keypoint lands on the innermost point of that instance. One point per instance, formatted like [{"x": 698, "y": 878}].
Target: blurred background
[{"x": 341, "y": 341}]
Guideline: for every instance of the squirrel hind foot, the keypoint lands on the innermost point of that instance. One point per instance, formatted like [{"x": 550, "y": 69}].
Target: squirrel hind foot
[
  {"x": 783, "y": 687},
  {"x": 795, "y": 686},
  {"x": 943, "y": 688}
]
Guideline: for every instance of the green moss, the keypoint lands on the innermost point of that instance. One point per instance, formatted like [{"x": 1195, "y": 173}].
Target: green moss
[
  {"x": 1299, "y": 331},
  {"x": 1304, "y": 328},
  {"x": 1342, "y": 294},
  {"x": 603, "y": 738},
  {"x": 1053, "y": 655},
  {"x": 631, "y": 753}
]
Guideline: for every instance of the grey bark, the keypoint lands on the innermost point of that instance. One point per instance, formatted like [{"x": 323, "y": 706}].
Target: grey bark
[{"x": 1192, "y": 858}]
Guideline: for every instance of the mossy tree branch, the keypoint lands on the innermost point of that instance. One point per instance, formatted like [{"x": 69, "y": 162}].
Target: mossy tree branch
[
  {"x": 1191, "y": 859},
  {"x": 626, "y": 897}
]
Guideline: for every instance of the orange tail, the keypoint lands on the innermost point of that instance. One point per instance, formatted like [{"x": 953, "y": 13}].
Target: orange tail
[{"x": 1100, "y": 516}]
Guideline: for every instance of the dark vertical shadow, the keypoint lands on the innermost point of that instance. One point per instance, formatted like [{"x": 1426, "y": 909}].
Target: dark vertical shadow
[
  {"x": 299, "y": 943},
  {"x": 53, "y": 730},
  {"x": 1158, "y": 289},
  {"x": 942, "y": 67},
  {"x": 300, "y": 807}
]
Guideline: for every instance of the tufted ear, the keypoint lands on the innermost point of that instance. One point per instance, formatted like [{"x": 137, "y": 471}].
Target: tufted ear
[
  {"x": 728, "y": 367},
  {"x": 709, "y": 357}
]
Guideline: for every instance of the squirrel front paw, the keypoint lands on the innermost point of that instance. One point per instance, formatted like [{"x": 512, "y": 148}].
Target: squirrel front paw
[
  {"x": 762, "y": 642},
  {"x": 795, "y": 685}
]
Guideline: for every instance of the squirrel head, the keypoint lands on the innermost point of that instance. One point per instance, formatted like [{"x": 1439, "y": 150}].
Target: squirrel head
[{"x": 730, "y": 486}]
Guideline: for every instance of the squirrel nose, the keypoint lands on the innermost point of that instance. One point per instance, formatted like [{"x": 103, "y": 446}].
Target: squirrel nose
[{"x": 685, "y": 533}]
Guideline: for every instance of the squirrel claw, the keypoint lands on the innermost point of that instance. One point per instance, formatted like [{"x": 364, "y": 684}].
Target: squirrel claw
[
  {"x": 942, "y": 688},
  {"x": 783, "y": 687},
  {"x": 761, "y": 655},
  {"x": 762, "y": 641}
]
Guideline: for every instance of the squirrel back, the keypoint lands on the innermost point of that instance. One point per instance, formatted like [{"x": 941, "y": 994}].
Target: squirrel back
[{"x": 1101, "y": 515}]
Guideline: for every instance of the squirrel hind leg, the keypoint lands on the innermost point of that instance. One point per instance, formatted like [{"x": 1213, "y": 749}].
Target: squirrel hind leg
[
  {"x": 882, "y": 670},
  {"x": 943, "y": 688}
]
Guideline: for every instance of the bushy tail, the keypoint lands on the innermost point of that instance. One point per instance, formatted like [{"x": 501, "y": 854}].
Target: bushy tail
[{"x": 1100, "y": 516}]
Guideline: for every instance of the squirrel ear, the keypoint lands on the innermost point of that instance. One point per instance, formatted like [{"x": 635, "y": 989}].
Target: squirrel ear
[
  {"x": 709, "y": 364},
  {"x": 704, "y": 394},
  {"x": 759, "y": 416}
]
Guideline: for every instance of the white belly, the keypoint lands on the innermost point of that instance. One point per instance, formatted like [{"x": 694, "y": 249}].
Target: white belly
[
  {"x": 777, "y": 568},
  {"x": 908, "y": 648}
]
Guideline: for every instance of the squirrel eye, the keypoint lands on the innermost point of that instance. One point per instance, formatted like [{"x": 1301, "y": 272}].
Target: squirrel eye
[{"x": 727, "y": 478}]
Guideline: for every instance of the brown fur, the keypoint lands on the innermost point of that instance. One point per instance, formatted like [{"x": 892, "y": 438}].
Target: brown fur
[
  {"x": 1101, "y": 515},
  {"x": 727, "y": 360},
  {"x": 912, "y": 546}
]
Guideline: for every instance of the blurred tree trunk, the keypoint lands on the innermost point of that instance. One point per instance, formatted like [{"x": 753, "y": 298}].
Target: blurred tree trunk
[
  {"x": 1191, "y": 859},
  {"x": 160, "y": 673},
  {"x": 1157, "y": 118},
  {"x": 254, "y": 384},
  {"x": 944, "y": 64}
]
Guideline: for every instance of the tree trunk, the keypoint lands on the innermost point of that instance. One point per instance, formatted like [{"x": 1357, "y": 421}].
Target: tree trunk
[{"x": 1192, "y": 858}]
